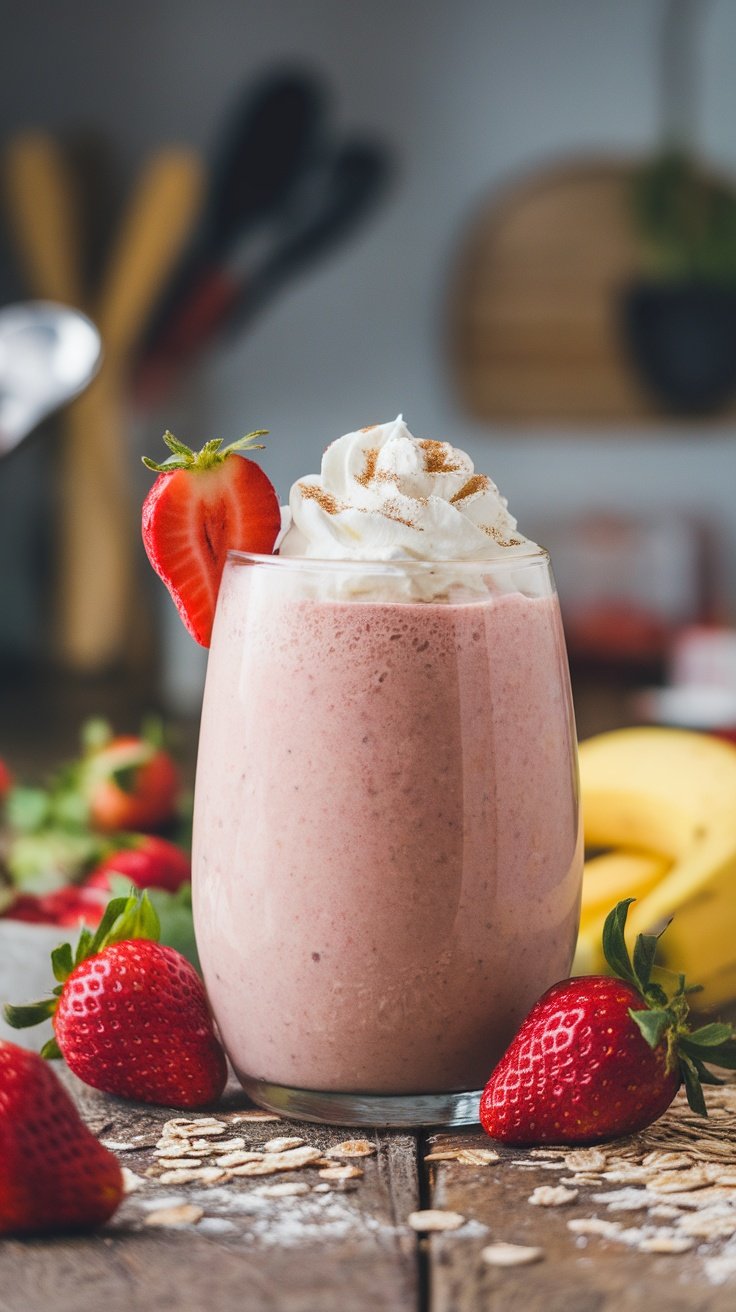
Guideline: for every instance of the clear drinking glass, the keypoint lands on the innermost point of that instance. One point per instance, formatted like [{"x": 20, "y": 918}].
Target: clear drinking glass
[{"x": 387, "y": 848}]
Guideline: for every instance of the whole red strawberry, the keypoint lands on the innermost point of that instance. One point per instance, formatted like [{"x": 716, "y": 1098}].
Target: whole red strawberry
[
  {"x": 54, "y": 1175},
  {"x": 148, "y": 862},
  {"x": 201, "y": 506},
  {"x": 600, "y": 1057},
  {"x": 130, "y": 783},
  {"x": 131, "y": 1016}
]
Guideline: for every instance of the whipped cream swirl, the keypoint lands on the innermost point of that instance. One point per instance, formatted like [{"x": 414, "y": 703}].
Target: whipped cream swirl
[{"x": 385, "y": 495}]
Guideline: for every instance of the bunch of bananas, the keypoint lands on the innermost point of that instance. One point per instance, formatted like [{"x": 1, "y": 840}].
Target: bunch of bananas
[{"x": 662, "y": 805}]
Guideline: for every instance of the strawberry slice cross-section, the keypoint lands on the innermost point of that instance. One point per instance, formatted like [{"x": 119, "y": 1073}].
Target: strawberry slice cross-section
[{"x": 202, "y": 505}]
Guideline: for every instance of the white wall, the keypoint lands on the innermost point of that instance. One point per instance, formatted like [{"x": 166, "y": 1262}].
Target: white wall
[{"x": 470, "y": 92}]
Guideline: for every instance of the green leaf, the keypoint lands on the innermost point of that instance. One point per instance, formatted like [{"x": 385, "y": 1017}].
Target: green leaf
[
  {"x": 692, "y": 1085},
  {"x": 51, "y": 1050},
  {"x": 177, "y": 926},
  {"x": 178, "y": 448},
  {"x": 126, "y": 777},
  {"x": 614, "y": 942},
  {"x": 62, "y": 962},
  {"x": 712, "y": 1035},
  {"x": 653, "y": 1024},
  {"x": 96, "y": 733},
  {"x": 718, "y": 1055},
  {"x": 27, "y": 809},
  {"x": 30, "y": 1013},
  {"x": 645, "y": 950},
  {"x": 84, "y": 943},
  {"x": 114, "y": 910}
]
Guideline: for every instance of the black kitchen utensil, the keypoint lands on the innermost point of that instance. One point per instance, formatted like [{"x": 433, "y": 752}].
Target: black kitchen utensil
[{"x": 273, "y": 134}]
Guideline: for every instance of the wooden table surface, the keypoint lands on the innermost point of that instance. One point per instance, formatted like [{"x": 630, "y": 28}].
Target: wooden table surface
[{"x": 349, "y": 1246}]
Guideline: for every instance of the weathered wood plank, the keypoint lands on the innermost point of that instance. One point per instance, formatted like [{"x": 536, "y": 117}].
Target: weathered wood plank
[
  {"x": 347, "y": 1248},
  {"x": 591, "y": 1272}
]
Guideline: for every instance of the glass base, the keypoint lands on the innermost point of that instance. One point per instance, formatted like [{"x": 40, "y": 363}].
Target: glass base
[{"x": 399, "y": 1111}]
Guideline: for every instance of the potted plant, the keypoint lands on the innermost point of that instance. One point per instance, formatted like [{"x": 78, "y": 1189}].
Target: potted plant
[{"x": 679, "y": 317}]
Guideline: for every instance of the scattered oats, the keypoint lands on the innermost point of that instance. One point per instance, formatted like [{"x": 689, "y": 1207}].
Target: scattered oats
[
  {"x": 184, "y": 1148},
  {"x": 238, "y": 1159},
  {"x": 432, "y": 1219},
  {"x": 322, "y": 1189},
  {"x": 175, "y": 1164},
  {"x": 446, "y": 1155},
  {"x": 273, "y": 1163},
  {"x": 230, "y": 1145},
  {"x": 665, "y": 1161},
  {"x": 586, "y": 1159},
  {"x": 288, "y": 1189},
  {"x": 546, "y": 1195},
  {"x": 116, "y": 1147},
  {"x": 216, "y": 1225},
  {"x": 280, "y": 1145},
  {"x": 153, "y": 1172},
  {"x": 194, "y": 1175},
  {"x": 724, "y": 1177},
  {"x": 255, "y": 1115},
  {"x": 340, "y": 1172},
  {"x": 580, "y": 1178},
  {"x": 720, "y": 1269},
  {"x": 630, "y": 1175},
  {"x": 594, "y": 1225},
  {"x": 131, "y": 1181},
  {"x": 352, "y": 1148},
  {"x": 665, "y": 1244},
  {"x": 186, "y": 1214},
  {"x": 674, "y": 1182},
  {"x": 557, "y": 1153},
  {"x": 194, "y": 1130},
  {"x": 708, "y": 1225},
  {"x": 623, "y": 1200},
  {"x": 664, "y": 1212},
  {"x": 478, "y": 1156},
  {"x": 511, "y": 1255}
]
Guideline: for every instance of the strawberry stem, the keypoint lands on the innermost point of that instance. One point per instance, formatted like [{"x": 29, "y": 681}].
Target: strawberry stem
[
  {"x": 208, "y": 457},
  {"x": 664, "y": 1018},
  {"x": 125, "y": 918}
]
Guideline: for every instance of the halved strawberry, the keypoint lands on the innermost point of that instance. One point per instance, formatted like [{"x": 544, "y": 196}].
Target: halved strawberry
[{"x": 201, "y": 506}]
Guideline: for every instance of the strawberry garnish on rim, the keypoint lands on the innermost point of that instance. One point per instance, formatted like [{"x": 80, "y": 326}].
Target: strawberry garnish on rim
[
  {"x": 599, "y": 1056},
  {"x": 202, "y": 505}
]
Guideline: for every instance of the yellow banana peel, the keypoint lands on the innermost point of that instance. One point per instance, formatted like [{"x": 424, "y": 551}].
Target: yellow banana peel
[{"x": 672, "y": 794}]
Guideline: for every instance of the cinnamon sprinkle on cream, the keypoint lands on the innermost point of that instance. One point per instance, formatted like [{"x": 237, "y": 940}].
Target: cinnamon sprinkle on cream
[
  {"x": 435, "y": 458},
  {"x": 478, "y": 483},
  {"x": 369, "y": 428},
  {"x": 325, "y": 500},
  {"x": 498, "y": 537},
  {"x": 369, "y": 471}
]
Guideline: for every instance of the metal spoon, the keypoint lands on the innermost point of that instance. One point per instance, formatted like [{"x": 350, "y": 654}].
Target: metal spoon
[{"x": 48, "y": 355}]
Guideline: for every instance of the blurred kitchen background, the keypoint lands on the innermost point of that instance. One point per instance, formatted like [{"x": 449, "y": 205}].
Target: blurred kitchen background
[{"x": 514, "y": 222}]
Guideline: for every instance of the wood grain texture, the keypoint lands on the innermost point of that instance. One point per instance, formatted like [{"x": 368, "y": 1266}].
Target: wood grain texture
[
  {"x": 347, "y": 1249},
  {"x": 576, "y": 1274}
]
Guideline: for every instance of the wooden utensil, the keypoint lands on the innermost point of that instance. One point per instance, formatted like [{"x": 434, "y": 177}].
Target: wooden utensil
[
  {"x": 41, "y": 208},
  {"x": 98, "y": 531}
]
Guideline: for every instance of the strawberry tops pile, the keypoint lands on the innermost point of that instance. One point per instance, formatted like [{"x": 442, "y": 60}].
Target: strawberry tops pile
[{"x": 113, "y": 818}]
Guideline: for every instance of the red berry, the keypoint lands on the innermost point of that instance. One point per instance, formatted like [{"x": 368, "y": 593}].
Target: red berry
[
  {"x": 131, "y": 785},
  {"x": 152, "y": 863},
  {"x": 133, "y": 1020},
  {"x": 200, "y": 507},
  {"x": 54, "y": 1175},
  {"x": 6, "y": 779},
  {"x": 69, "y": 906},
  {"x": 600, "y": 1057},
  {"x": 579, "y": 1070}
]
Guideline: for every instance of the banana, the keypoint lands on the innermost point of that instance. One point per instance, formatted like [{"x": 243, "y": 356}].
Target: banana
[{"x": 672, "y": 794}]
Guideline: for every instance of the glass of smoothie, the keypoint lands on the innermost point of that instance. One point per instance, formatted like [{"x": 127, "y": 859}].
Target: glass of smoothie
[{"x": 387, "y": 845}]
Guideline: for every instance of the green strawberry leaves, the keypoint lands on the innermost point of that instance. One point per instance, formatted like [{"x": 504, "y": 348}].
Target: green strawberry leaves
[
  {"x": 125, "y": 918},
  {"x": 664, "y": 1018},
  {"x": 211, "y": 454}
]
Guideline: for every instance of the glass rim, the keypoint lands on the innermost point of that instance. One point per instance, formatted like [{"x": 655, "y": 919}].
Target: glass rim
[{"x": 525, "y": 559}]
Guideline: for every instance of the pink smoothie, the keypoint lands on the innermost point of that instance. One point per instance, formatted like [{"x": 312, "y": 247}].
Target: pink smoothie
[{"x": 387, "y": 854}]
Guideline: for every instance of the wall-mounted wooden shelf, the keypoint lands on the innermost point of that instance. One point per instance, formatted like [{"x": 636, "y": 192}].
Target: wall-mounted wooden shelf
[{"x": 535, "y": 332}]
